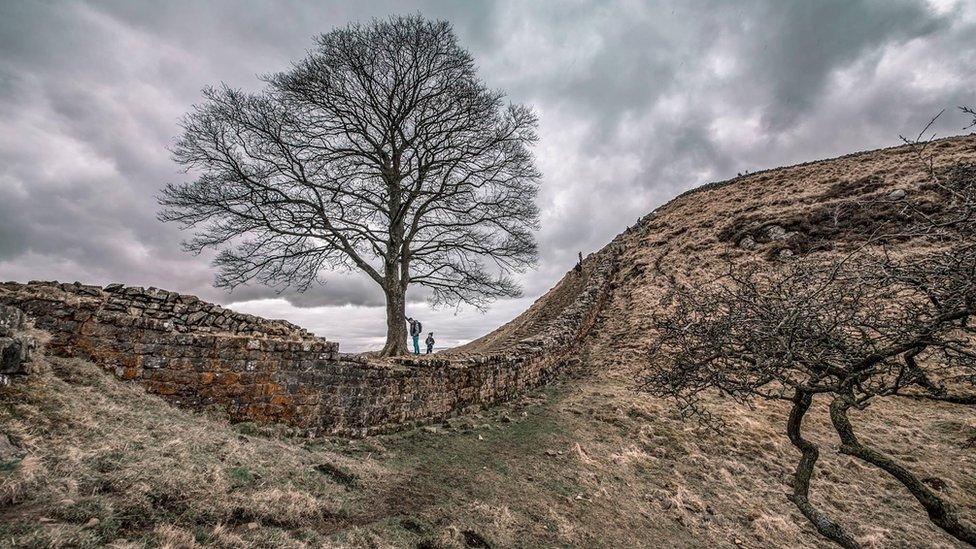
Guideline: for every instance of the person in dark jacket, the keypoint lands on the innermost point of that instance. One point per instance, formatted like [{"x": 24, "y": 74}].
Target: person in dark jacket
[
  {"x": 416, "y": 328},
  {"x": 430, "y": 343}
]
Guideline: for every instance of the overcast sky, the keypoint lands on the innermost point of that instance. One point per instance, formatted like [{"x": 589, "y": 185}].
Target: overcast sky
[{"x": 638, "y": 101}]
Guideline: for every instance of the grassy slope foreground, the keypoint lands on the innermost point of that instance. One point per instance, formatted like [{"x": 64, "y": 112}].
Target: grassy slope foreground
[
  {"x": 585, "y": 462},
  {"x": 579, "y": 464}
]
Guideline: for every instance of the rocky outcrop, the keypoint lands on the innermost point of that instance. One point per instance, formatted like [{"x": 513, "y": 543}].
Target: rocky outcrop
[{"x": 16, "y": 347}]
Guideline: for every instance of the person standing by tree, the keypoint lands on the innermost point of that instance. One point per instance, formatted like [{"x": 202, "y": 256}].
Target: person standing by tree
[
  {"x": 416, "y": 328},
  {"x": 381, "y": 152}
]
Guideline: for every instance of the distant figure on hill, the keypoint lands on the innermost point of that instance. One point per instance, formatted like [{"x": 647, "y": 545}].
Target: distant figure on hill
[
  {"x": 416, "y": 328},
  {"x": 579, "y": 266},
  {"x": 430, "y": 343}
]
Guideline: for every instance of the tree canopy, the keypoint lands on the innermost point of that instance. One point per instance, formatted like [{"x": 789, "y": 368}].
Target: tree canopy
[{"x": 381, "y": 151}]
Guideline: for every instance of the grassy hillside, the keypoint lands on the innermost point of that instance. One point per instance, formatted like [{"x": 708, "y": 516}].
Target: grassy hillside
[
  {"x": 586, "y": 462},
  {"x": 583, "y": 463}
]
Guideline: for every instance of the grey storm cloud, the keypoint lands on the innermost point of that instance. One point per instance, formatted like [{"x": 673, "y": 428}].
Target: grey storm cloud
[{"x": 638, "y": 101}]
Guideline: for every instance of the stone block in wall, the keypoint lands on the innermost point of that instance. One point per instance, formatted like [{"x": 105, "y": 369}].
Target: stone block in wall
[
  {"x": 15, "y": 354},
  {"x": 153, "y": 362},
  {"x": 16, "y": 348},
  {"x": 12, "y": 320}
]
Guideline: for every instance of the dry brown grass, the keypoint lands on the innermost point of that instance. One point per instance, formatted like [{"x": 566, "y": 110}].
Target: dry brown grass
[
  {"x": 595, "y": 465},
  {"x": 104, "y": 450},
  {"x": 584, "y": 463},
  {"x": 531, "y": 321},
  {"x": 690, "y": 237}
]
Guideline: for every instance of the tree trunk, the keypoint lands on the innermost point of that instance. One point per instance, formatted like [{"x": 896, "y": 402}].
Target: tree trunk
[
  {"x": 804, "y": 471},
  {"x": 941, "y": 512},
  {"x": 396, "y": 323}
]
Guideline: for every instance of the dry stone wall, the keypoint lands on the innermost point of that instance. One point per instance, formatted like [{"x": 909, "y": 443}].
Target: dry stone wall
[
  {"x": 219, "y": 359},
  {"x": 200, "y": 355}
]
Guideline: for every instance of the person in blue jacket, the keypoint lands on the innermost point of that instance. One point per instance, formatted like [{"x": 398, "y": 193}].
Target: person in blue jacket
[{"x": 416, "y": 328}]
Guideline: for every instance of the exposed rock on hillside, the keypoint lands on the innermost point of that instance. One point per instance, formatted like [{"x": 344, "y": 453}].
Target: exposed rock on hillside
[{"x": 16, "y": 347}]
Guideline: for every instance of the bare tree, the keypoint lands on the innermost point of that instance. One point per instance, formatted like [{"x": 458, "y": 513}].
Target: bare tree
[
  {"x": 872, "y": 324},
  {"x": 971, "y": 112},
  {"x": 381, "y": 151}
]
